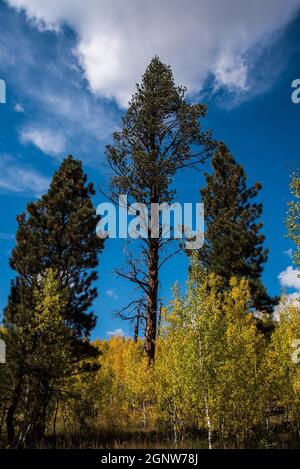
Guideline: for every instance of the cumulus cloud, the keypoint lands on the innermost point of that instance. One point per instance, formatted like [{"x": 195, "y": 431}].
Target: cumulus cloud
[
  {"x": 199, "y": 38},
  {"x": 15, "y": 178},
  {"x": 231, "y": 72},
  {"x": 290, "y": 278}
]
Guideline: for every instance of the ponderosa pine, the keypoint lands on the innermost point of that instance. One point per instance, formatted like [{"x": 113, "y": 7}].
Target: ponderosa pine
[
  {"x": 161, "y": 133},
  {"x": 233, "y": 244}
]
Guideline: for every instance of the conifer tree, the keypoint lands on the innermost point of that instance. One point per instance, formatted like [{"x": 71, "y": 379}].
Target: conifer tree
[
  {"x": 233, "y": 244},
  {"x": 293, "y": 220},
  {"x": 59, "y": 232},
  {"x": 161, "y": 133}
]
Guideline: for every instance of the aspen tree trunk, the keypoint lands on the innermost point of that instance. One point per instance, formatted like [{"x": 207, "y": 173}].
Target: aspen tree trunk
[
  {"x": 209, "y": 435},
  {"x": 55, "y": 420},
  {"x": 207, "y": 414},
  {"x": 144, "y": 414},
  {"x": 175, "y": 425},
  {"x": 175, "y": 419}
]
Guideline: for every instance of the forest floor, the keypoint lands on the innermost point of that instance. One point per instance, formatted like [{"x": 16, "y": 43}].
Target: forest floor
[{"x": 279, "y": 438}]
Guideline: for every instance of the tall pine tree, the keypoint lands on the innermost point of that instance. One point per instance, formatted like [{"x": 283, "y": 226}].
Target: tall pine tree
[
  {"x": 293, "y": 220},
  {"x": 233, "y": 241},
  {"x": 161, "y": 134},
  {"x": 59, "y": 232}
]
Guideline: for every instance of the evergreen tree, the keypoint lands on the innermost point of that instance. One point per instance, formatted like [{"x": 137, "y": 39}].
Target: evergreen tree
[
  {"x": 161, "y": 134},
  {"x": 233, "y": 242},
  {"x": 59, "y": 232},
  {"x": 293, "y": 220}
]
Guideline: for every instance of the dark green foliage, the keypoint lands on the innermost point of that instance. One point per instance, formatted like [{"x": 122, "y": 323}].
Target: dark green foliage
[
  {"x": 293, "y": 218},
  {"x": 58, "y": 232},
  {"x": 156, "y": 137},
  {"x": 161, "y": 133},
  {"x": 233, "y": 241}
]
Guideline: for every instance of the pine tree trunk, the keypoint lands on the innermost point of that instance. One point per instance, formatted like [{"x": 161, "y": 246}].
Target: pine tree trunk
[
  {"x": 137, "y": 327},
  {"x": 151, "y": 320}
]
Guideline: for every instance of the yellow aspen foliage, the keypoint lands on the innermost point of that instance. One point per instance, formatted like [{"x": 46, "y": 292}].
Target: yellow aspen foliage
[
  {"x": 283, "y": 362},
  {"x": 125, "y": 385},
  {"x": 171, "y": 385},
  {"x": 208, "y": 361},
  {"x": 214, "y": 374},
  {"x": 242, "y": 398}
]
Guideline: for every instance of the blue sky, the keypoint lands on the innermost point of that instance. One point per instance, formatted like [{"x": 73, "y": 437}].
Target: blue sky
[{"x": 70, "y": 68}]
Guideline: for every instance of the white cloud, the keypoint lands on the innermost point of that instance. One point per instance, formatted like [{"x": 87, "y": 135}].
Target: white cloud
[
  {"x": 112, "y": 294},
  {"x": 49, "y": 142},
  {"x": 293, "y": 297},
  {"x": 290, "y": 278},
  {"x": 54, "y": 93},
  {"x": 116, "y": 333},
  {"x": 231, "y": 72},
  {"x": 16, "y": 178},
  {"x": 199, "y": 38},
  {"x": 286, "y": 300},
  {"x": 80, "y": 112},
  {"x": 19, "y": 108}
]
